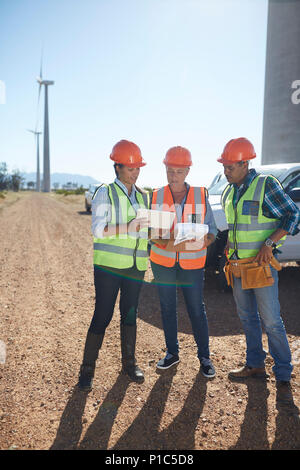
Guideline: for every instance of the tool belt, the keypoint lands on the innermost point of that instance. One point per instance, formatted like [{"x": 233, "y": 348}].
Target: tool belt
[{"x": 252, "y": 274}]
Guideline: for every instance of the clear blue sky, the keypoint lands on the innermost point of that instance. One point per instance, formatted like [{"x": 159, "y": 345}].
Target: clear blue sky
[{"x": 157, "y": 72}]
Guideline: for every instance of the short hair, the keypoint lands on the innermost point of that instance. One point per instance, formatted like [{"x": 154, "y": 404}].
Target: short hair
[{"x": 115, "y": 168}]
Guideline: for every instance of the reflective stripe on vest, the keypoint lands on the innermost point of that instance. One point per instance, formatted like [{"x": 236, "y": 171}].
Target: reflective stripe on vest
[
  {"x": 248, "y": 227},
  {"x": 121, "y": 251},
  {"x": 194, "y": 210}
]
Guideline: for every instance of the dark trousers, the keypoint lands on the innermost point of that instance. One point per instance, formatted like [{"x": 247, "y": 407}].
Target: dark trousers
[{"x": 108, "y": 282}]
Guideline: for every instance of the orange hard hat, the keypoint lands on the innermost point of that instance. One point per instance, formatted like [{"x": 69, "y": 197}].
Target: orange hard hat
[
  {"x": 128, "y": 154},
  {"x": 178, "y": 156},
  {"x": 237, "y": 150}
]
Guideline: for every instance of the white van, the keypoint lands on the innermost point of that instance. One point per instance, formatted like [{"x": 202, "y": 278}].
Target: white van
[{"x": 89, "y": 194}]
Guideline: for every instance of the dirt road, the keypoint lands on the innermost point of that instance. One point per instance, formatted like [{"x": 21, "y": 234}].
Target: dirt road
[{"x": 46, "y": 303}]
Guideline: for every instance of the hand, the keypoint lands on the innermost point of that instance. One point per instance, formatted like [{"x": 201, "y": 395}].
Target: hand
[
  {"x": 208, "y": 239},
  {"x": 264, "y": 255},
  {"x": 202, "y": 243},
  {"x": 194, "y": 244},
  {"x": 137, "y": 224},
  {"x": 161, "y": 234},
  {"x": 159, "y": 241}
]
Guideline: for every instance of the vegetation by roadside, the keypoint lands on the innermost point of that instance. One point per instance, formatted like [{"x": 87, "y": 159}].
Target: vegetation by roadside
[
  {"x": 68, "y": 192},
  {"x": 8, "y": 198},
  {"x": 8, "y": 180}
]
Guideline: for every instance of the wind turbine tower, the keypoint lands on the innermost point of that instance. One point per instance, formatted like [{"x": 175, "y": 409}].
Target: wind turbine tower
[
  {"x": 281, "y": 121},
  {"x": 46, "y": 184},
  {"x": 38, "y": 179}
]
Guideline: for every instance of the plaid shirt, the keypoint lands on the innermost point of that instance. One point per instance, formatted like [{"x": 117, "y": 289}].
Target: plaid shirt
[{"x": 277, "y": 204}]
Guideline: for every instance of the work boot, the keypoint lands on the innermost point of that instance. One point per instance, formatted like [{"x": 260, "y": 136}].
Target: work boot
[
  {"x": 246, "y": 371},
  {"x": 284, "y": 392},
  {"x": 93, "y": 344},
  {"x": 129, "y": 366}
]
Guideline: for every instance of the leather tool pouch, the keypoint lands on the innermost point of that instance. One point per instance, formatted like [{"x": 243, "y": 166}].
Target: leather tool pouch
[
  {"x": 252, "y": 274},
  {"x": 228, "y": 274},
  {"x": 256, "y": 276}
]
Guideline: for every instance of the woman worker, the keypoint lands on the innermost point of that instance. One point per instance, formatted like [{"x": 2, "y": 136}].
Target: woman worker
[
  {"x": 186, "y": 266},
  {"x": 120, "y": 260}
]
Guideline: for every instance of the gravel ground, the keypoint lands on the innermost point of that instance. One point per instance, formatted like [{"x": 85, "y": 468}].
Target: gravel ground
[{"x": 46, "y": 304}]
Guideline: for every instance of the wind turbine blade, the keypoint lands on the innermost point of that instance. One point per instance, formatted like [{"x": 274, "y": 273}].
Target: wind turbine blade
[
  {"x": 40, "y": 80},
  {"x": 37, "y": 107},
  {"x": 40, "y": 77},
  {"x": 41, "y": 65}
]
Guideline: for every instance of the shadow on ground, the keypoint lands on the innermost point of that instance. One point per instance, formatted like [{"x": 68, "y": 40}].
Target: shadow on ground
[
  {"x": 144, "y": 432},
  {"x": 138, "y": 435},
  {"x": 220, "y": 306}
]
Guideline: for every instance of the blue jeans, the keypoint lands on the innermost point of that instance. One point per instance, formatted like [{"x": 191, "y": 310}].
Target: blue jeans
[
  {"x": 258, "y": 307},
  {"x": 191, "y": 283}
]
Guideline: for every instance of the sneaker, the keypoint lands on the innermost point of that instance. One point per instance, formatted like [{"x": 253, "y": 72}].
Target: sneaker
[
  {"x": 207, "y": 368},
  {"x": 168, "y": 361}
]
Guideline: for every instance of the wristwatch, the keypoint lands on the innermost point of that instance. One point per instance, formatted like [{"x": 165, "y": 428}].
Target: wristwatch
[{"x": 270, "y": 243}]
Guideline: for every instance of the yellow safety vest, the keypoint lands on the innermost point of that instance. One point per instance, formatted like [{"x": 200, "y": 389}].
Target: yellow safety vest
[
  {"x": 248, "y": 227},
  {"x": 124, "y": 250}
]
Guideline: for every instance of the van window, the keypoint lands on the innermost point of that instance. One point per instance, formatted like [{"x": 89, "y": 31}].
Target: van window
[
  {"x": 219, "y": 187},
  {"x": 292, "y": 181}
]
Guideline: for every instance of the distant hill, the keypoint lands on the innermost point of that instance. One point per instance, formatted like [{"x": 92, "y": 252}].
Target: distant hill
[{"x": 63, "y": 179}]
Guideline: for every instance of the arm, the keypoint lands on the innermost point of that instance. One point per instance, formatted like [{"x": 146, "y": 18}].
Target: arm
[
  {"x": 196, "y": 244},
  {"x": 133, "y": 226},
  {"x": 101, "y": 217},
  {"x": 277, "y": 204},
  {"x": 266, "y": 253},
  {"x": 212, "y": 227},
  {"x": 101, "y": 212}
]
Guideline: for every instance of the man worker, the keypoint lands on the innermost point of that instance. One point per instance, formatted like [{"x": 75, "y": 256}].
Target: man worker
[{"x": 259, "y": 215}]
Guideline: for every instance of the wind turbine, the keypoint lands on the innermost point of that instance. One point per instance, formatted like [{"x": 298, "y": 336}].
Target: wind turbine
[
  {"x": 38, "y": 180},
  {"x": 46, "y": 83}
]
